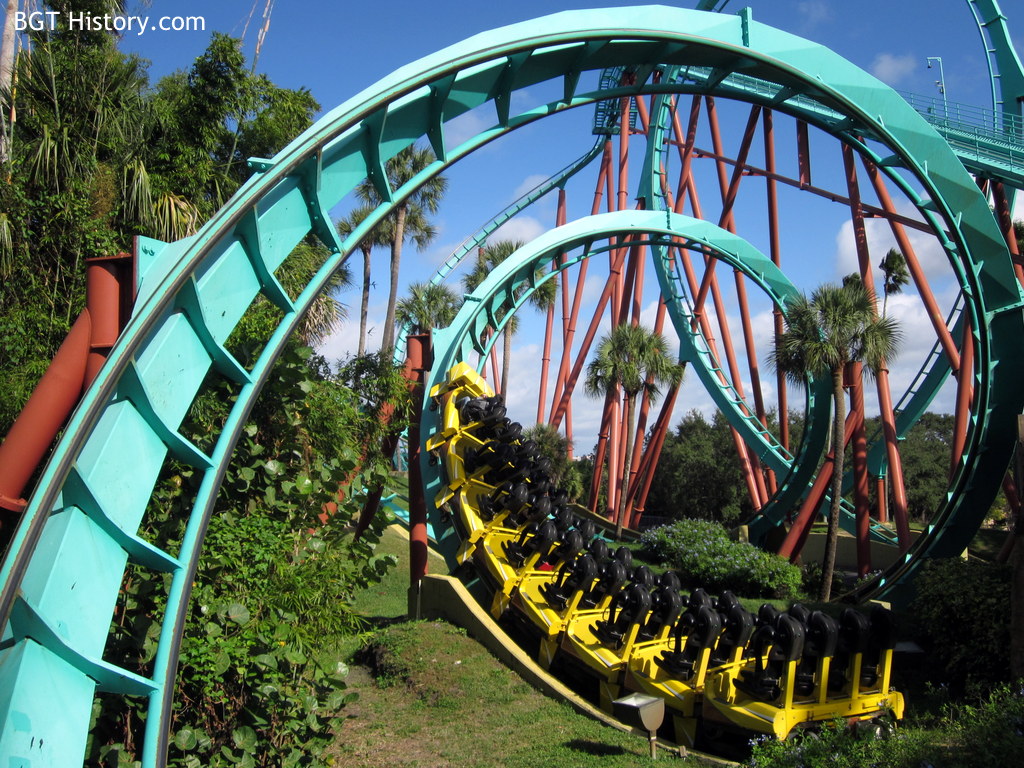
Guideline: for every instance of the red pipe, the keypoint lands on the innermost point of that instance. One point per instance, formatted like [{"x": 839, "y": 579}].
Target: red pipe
[
  {"x": 653, "y": 452},
  {"x": 600, "y": 453},
  {"x": 595, "y": 323},
  {"x": 775, "y": 247},
  {"x": 1002, "y": 207},
  {"x": 882, "y": 377},
  {"x": 861, "y": 493},
  {"x": 803, "y": 154},
  {"x": 418, "y": 360},
  {"x": 47, "y": 408},
  {"x": 570, "y": 330},
  {"x": 103, "y": 299},
  {"x": 550, "y": 322},
  {"x": 797, "y": 536},
  {"x": 741, "y": 447},
  {"x": 920, "y": 281},
  {"x": 964, "y": 395}
]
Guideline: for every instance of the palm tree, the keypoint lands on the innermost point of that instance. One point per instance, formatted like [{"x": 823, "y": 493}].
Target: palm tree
[
  {"x": 428, "y": 306},
  {"x": 409, "y": 220},
  {"x": 894, "y": 269},
  {"x": 836, "y": 326},
  {"x": 636, "y": 359},
  {"x": 488, "y": 258},
  {"x": 378, "y": 236}
]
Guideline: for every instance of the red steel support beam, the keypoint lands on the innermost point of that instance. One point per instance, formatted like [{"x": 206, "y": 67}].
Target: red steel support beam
[
  {"x": 964, "y": 396},
  {"x": 47, "y": 408},
  {"x": 419, "y": 361},
  {"x": 803, "y": 154},
  {"x": 569, "y": 323},
  {"x": 570, "y": 382},
  {"x": 1005, "y": 218},
  {"x": 835, "y": 197},
  {"x": 888, "y": 418},
  {"x": 914, "y": 267},
  {"x": 797, "y": 536},
  {"x": 550, "y": 320},
  {"x": 651, "y": 455},
  {"x": 861, "y": 489}
]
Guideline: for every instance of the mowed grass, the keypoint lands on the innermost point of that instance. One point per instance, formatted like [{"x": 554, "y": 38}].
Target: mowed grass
[
  {"x": 431, "y": 696},
  {"x": 435, "y": 697}
]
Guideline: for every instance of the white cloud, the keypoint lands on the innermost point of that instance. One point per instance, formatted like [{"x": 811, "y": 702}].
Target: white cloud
[
  {"x": 466, "y": 126},
  {"x": 528, "y": 184},
  {"x": 893, "y": 69},
  {"x": 813, "y": 13},
  {"x": 933, "y": 259},
  {"x": 525, "y": 228}
]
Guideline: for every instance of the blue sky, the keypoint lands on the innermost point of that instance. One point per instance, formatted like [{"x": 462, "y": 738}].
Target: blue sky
[{"x": 336, "y": 49}]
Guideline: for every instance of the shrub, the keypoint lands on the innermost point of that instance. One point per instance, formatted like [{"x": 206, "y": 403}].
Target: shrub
[
  {"x": 706, "y": 557},
  {"x": 259, "y": 681},
  {"x": 835, "y": 745},
  {"x": 974, "y": 647},
  {"x": 990, "y": 733}
]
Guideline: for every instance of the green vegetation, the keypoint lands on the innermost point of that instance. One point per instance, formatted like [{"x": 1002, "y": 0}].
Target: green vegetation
[
  {"x": 980, "y": 735},
  {"x": 704, "y": 556},
  {"x": 256, "y": 685},
  {"x": 699, "y": 475},
  {"x": 974, "y": 649}
]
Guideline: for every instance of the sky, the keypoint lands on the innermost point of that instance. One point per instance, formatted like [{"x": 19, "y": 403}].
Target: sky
[{"x": 338, "y": 48}]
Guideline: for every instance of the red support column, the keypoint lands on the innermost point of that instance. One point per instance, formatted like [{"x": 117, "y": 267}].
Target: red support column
[
  {"x": 1002, "y": 207},
  {"x": 560, "y": 406},
  {"x": 801, "y": 527},
  {"x": 860, "y": 469},
  {"x": 775, "y": 249},
  {"x": 882, "y": 375},
  {"x": 803, "y": 154},
  {"x": 418, "y": 360},
  {"x": 651, "y": 455},
  {"x": 914, "y": 267},
  {"x": 550, "y": 321},
  {"x": 51, "y": 402},
  {"x": 964, "y": 396},
  {"x": 569, "y": 324}
]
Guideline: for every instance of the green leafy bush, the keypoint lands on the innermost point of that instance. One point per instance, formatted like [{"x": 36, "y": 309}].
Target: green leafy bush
[
  {"x": 990, "y": 733},
  {"x": 974, "y": 647},
  {"x": 260, "y": 682},
  {"x": 836, "y": 745},
  {"x": 706, "y": 557}
]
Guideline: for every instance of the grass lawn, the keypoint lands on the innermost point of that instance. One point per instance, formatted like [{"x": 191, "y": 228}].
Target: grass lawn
[{"x": 431, "y": 696}]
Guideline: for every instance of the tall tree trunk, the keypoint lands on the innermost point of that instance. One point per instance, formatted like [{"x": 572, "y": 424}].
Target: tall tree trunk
[
  {"x": 506, "y": 358},
  {"x": 396, "y": 257},
  {"x": 630, "y": 414},
  {"x": 7, "y": 46},
  {"x": 364, "y": 305},
  {"x": 828, "y": 564}
]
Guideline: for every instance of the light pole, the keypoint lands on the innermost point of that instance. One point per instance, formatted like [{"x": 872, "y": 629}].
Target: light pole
[{"x": 941, "y": 82}]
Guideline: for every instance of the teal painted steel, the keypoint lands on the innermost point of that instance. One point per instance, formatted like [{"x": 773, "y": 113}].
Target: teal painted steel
[{"x": 81, "y": 526}]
